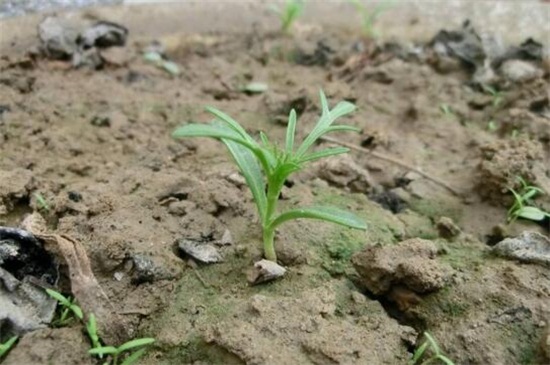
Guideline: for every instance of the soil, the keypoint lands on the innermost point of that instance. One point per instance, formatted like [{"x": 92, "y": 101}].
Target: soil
[{"x": 97, "y": 146}]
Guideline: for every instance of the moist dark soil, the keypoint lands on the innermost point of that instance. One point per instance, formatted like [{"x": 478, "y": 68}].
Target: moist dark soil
[{"x": 97, "y": 146}]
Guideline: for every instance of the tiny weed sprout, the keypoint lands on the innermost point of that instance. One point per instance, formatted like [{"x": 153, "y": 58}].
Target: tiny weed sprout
[
  {"x": 435, "y": 350},
  {"x": 137, "y": 345},
  {"x": 492, "y": 126},
  {"x": 42, "y": 204},
  {"x": 369, "y": 18},
  {"x": 68, "y": 306},
  {"x": 6, "y": 346},
  {"x": 523, "y": 204},
  {"x": 497, "y": 95},
  {"x": 289, "y": 13},
  {"x": 91, "y": 328},
  {"x": 278, "y": 164},
  {"x": 446, "y": 109}
]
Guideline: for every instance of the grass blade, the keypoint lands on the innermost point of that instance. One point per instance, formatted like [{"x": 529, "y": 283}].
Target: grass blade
[
  {"x": 77, "y": 311},
  {"x": 213, "y": 131},
  {"x": 134, "y": 357},
  {"x": 232, "y": 123},
  {"x": 104, "y": 350},
  {"x": 445, "y": 359},
  {"x": 324, "y": 153},
  {"x": 419, "y": 352},
  {"x": 290, "y": 131},
  {"x": 6, "y": 346},
  {"x": 328, "y": 214},
  {"x": 432, "y": 342},
  {"x": 135, "y": 343},
  {"x": 531, "y": 213},
  {"x": 59, "y": 297}
]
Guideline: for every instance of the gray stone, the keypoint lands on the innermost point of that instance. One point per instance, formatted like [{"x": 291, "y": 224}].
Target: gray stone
[
  {"x": 201, "y": 251},
  {"x": 530, "y": 247}
]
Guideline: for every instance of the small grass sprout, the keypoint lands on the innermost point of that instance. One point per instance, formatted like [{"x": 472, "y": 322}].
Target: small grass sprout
[
  {"x": 369, "y": 17},
  {"x": 42, "y": 203},
  {"x": 91, "y": 329},
  {"x": 446, "y": 109},
  {"x": 6, "y": 346},
  {"x": 437, "y": 355},
  {"x": 137, "y": 345},
  {"x": 498, "y": 96},
  {"x": 68, "y": 306},
  {"x": 266, "y": 166},
  {"x": 289, "y": 13},
  {"x": 523, "y": 205}
]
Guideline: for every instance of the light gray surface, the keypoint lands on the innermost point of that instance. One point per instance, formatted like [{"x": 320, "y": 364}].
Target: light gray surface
[{"x": 512, "y": 20}]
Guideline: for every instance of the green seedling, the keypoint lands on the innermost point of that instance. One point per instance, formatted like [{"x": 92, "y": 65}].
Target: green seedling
[
  {"x": 437, "y": 355},
  {"x": 492, "y": 126},
  {"x": 277, "y": 164},
  {"x": 497, "y": 95},
  {"x": 6, "y": 346},
  {"x": 523, "y": 205},
  {"x": 68, "y": 306},
  {"x": 369, "y": 17},
  {"x": 137, "y": 345},
  {"x": 446, "y": 109},
  {"x": 42, "y": 203},
  {"x": 289, "y": 13},
  {"x": 91, "y": 328}
]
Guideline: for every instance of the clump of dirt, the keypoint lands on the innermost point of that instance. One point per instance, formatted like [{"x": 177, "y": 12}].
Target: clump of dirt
[
  {"x": 64, "y": 346},
  {"x": 311, "y": 331},
  {"x": 504, "y": 162},
  {"x": 401, "y": 271}
]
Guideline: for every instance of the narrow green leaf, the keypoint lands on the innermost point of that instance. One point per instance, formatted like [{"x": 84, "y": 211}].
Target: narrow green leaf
[
  {"x": 104, "y": 350},
  {"x": 77, "y": 311},
  {"x": 59, "y": 297},
  {"x": 134, "y": 357},
  {"x": 324, "y": 153},
  {"x": 324, "y": 103},
  {"x": 290, "y": 131},
  {"x": 341, "y": 109},
  {"x": 265, "y": 140},
  {"x": 432, "y": 342},
  {"x": 445, "y": 359},
  {"x": 6, "y": 346},
  {"x": 419, "y": 352},
  {"x": 252, "y": 173},
  {"x": 328, "y": 214},
  {"x": 232, "y": 123},
  {"x": 531, "y": 213},
  {"x": 315, "y": 135},
  {"x": 213, "y": 131},
  {"x": 135, "y": 343}
]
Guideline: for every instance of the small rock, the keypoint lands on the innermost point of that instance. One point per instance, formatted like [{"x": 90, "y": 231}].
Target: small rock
[
  {"x": 531, "y": 247},
  {"x": 148, "y": 269},
  {"x": 118, "y": 275},
  {"x": 264, "y": 271},
  {"x": 203, "y": 252},
  {"x": 447, "y": 228},
  {"x": 520, "y": 71},
  {"x": 101, "y": 121}
]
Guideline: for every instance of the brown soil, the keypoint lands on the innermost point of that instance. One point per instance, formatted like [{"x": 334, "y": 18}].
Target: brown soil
[{"x": 96, "y": 145}]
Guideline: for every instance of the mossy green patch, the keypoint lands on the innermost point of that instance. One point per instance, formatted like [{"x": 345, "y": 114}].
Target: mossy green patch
[
  {"x": 341, "y": 243},
  {"x": 437, "y": 207}
]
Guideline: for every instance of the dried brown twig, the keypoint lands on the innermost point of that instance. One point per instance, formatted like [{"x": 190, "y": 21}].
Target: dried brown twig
[{"x": 394, "y": 161}]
